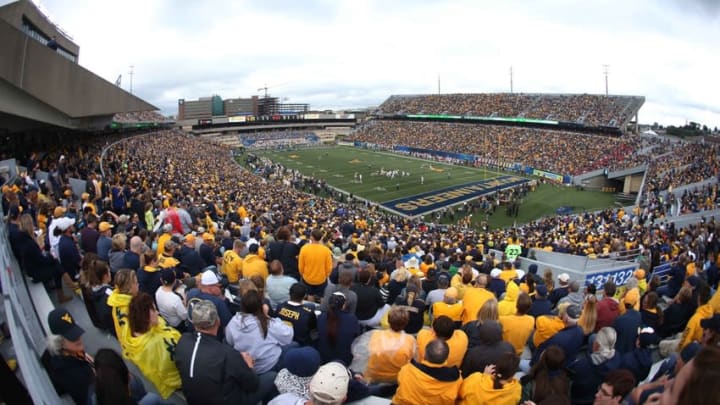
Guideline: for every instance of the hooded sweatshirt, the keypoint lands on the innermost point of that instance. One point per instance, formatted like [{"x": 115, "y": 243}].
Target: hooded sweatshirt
[
  {"x": 479, "y": 389},
  {"x": 152, "y": 351},
  {"x": 420, "y": 382},
  {"x": 99, "y": 296},
  {"x": 490, "y": 347},
  {"x": 252, "y": 265},
  {"x": 508, "y": 305},
  {"x": 244, "y": 334}
]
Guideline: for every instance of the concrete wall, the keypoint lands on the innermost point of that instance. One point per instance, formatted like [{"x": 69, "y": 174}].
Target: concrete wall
[
  {"x": 13, "y": 14},
  {"x": 632, "y": 183},
  {"x": 57, "y": 82}
]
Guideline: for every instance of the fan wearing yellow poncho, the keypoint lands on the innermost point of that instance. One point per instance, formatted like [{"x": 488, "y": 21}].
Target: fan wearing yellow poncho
[{"x": 152, "y": 346}]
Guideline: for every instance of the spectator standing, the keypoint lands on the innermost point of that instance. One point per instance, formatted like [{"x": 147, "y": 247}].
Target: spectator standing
[
  {"x": 104, "y": 242},
  {"x": 608, "y": 307},
  {"x": 232, "y": 262},
  {"x": 627, "y": 325},
  {"x": 189, "y": 258},
  {"x": 284, "y": 251},
  {"x": 89, "y": 235},
  {"x": 315, "y": 264}
]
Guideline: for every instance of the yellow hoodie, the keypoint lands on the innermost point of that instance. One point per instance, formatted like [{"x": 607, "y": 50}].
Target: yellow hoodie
[
  {"x": 151, "y": 351},
  {"x": 478, "y": 390},
  {"x": 693, "y": 330},
  {"x": 508, "y": 305},
  {"x": 427, "y": 384}
]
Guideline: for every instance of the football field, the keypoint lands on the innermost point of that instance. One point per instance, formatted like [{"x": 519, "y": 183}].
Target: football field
[{"x": 420, "y": 186}]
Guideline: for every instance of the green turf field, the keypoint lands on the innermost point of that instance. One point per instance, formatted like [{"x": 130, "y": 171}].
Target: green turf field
[{"x": 338, "y": 166}]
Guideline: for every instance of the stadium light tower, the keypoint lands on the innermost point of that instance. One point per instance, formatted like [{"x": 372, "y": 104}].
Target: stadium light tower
[
  {"x": 511, "y": 80},
  {"x": 606, "y": 71},
  {"x": 131, "y": 73}
]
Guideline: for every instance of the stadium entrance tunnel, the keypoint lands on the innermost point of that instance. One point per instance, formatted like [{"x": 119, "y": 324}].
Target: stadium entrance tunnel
[{"x": 424, "y": 203}]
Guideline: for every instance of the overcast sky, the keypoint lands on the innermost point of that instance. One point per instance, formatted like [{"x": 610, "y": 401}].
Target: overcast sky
[{"x": 353, "y": 54}]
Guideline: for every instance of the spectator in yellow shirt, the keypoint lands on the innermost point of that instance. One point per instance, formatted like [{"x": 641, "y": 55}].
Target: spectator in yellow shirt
[
  {"x": 315, "y": 264},
  {"x": 518, "y": 328},
  {"x": 474, "y": 299},
  {"x": 443, "y": 328},
  {"x": 232, "y": 262},
  {"x": 449, "y": 306}
]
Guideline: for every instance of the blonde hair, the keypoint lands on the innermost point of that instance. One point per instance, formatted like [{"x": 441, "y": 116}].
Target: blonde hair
[
  {"x": 124, "y": 280},
  {"x": 488, "y": 311},
  {"x": 588, "y": 317},
  {"x": 119, "y": 241}
]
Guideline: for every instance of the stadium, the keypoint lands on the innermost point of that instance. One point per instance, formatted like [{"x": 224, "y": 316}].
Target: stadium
[{"x": 390, "y": 223}]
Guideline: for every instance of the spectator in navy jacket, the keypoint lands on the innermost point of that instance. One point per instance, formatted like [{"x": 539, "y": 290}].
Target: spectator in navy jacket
[
  {"x": 627, "y": 325},
  {"x": 570, "y": 338},
  {"x": 591, "y": 368},
  {"x": 541, "y": 305},
  {"x": 561, "y": 290},
  {"x": 337, "y": 329}
]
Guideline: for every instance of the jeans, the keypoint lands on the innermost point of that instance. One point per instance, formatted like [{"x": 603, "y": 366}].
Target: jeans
[{"x": 266, "y": 389}]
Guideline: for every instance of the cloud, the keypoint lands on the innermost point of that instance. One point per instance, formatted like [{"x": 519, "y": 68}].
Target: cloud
[{"x": 358, "y": 53}]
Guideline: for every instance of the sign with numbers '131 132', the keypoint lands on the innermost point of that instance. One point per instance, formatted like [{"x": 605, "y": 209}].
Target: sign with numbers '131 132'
[{"x": 620, "y": 276}]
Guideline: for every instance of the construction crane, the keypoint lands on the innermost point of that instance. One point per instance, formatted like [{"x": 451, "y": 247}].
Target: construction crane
[{"x": 266, "y": 87}]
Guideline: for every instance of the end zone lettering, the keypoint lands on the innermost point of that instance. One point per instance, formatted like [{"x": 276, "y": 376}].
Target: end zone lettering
[{"x": 422, "y": 203}]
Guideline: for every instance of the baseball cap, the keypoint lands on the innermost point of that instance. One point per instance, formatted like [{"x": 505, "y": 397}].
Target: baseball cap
[
  {"x": 520, "y": 274},
  {"x": 573, "y": 311},
  {"x": 303, "y": 361},
  {"x": 563, "y": 277},
  {"x": 330, "y": 382},
  {"x": 167, "y": 276},
  {"x": 632, "y": 297},
  {"x": 639, "y": 274},
  {"x": 253, "y": 248},
  {"x": 62, "y": 323},
  {"x": 712, "y": 323},
  {"x": 207, "y": 236},
  {"x": 209, "y": 278},
  {"x": 189, "y": 238},
  {"x": 58, "y": 212},
  {"x": 203, "y": 314},
  {"x": 495, "y": 273},
  {"x": 104, "y": 226},
  {"x": 64, "y": 223},
  {"x": 541, "y": 290}
]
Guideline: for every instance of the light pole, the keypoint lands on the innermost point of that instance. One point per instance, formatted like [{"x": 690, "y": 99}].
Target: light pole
[{"x": 606, "y": 71}]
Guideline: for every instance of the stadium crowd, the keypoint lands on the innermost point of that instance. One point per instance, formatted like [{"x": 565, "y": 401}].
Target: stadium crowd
[
  {"x": 264, "y": 293},
  {"x": 588, "y": 109},
  {"x": 276, "y": 139},
  {"x": 506, "y": 146},
  {"x": 140, "y": 116}
]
